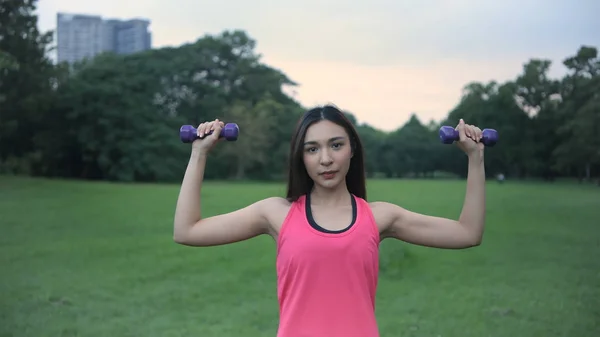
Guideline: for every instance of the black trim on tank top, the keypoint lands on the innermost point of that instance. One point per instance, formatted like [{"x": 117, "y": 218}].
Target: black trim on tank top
[{"x": 314, "y": 224}]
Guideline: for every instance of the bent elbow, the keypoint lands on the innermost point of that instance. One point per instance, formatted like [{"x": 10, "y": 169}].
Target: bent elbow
[
  {"x": 180, "y": 236},
  {"x": 476, "y": 241},
  {"x": 179, "y": 239},
  {"x": 472, "y": 236}
]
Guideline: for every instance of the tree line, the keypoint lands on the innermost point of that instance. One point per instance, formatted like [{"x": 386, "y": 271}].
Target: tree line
[{"x": 117, "y": 117}]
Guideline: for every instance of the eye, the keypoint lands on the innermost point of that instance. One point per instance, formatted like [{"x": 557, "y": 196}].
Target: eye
[
  {"x": 311, "y": 149},
  {"x": 337, "y": 145}
]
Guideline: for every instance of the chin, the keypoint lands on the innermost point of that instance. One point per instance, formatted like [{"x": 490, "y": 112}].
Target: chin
[{"x": 331, "y": 183}]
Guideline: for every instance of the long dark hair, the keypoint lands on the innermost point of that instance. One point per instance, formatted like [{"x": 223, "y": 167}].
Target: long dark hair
[{"x": 299, "y": 182}]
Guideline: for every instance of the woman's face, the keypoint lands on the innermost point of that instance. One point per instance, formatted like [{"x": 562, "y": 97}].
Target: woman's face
[{"x": 327, "y": 153}]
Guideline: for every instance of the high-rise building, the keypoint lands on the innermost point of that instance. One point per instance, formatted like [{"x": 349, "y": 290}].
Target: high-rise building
[{"x": 85, "y": 36}]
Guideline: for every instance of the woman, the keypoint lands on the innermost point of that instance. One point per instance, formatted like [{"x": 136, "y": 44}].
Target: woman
[{"x": 327, "y": 234}]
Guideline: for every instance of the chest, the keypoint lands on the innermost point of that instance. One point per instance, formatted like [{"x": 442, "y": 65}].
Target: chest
[
  {"x": 332, "y": 219},
  {"x": 306, "y": 247}
]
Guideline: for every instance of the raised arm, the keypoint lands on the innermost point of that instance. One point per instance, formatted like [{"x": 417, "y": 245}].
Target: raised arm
[
  {"x": 190, "y": 228},
  {"x": 439, "y": 232}
]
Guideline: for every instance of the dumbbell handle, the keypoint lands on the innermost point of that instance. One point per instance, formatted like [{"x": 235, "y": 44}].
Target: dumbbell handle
[
  {"x": 188, "y": 133},
  {"x": 448, "y": 135}
]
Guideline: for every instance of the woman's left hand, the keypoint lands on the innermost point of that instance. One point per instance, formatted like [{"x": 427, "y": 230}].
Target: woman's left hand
[{"x": 469, "y": 139}]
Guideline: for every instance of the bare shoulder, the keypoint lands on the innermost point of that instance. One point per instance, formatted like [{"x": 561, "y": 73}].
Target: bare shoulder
[
  {"x": 276, "y": 210},
  {"x": 275, "y": 201},
  {"x": 385, "y": 214},
  {"x": 383, "y": 210},
  {"x": 274, "y": 204}
]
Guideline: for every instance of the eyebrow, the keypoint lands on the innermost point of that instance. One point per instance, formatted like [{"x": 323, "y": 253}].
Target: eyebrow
[{"x": 333, "y": 139}]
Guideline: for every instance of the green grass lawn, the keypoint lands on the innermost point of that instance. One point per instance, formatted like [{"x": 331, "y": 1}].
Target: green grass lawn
[{"x": 98, "y": 260}]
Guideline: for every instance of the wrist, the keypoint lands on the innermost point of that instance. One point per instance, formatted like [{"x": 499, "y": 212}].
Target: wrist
[
  {"x": 475, "y": 157},
  {"x": 198, "y": 154}
]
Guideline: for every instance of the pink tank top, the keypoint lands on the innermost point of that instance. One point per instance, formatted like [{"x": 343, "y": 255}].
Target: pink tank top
[{"x": 326, "y": 281}]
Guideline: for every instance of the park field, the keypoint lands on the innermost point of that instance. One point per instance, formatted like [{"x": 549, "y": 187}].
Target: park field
[{"x": 98, "y": 260}]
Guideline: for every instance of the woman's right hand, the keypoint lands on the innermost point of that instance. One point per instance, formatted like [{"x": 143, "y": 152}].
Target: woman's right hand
[{"x": 206, "y": 144}]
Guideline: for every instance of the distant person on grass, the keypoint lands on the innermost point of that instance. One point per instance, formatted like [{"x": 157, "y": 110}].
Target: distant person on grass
[{"x": 327, "y": 234}]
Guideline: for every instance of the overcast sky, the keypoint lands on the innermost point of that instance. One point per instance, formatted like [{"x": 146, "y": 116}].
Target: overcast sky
[{"x": 379, "y": 59}]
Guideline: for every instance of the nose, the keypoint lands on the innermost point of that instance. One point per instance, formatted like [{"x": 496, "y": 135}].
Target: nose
[{"x": 326, "y": 158}]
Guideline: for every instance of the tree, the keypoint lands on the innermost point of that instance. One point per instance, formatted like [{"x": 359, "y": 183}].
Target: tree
[
  {"x": 115, "y": 117},
  {"x": 580, "y": 148},
  {"x": 537, "y": 95},
  {"x": 256, "y": 123},
  {"x": 25, "y": 89}
]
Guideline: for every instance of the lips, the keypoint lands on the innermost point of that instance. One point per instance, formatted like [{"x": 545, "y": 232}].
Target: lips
[{"x": 328, "y": 174}]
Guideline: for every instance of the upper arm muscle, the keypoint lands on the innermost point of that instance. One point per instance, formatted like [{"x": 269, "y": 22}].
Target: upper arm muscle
[
  {"x": 235, "y": 226},
  {"x": 424, "y": 230}
]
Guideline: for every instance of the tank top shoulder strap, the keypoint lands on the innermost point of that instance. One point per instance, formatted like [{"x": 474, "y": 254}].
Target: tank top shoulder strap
[
  {"x": 294, "y": 215},
  {"x": 365, "y": 216}
]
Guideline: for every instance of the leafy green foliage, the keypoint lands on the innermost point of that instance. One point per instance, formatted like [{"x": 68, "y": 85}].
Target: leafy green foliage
[{"x": 117, "y": 117}]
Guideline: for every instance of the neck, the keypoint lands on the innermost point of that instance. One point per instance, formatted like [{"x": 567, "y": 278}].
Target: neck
[{"x": 330, "y": 197}]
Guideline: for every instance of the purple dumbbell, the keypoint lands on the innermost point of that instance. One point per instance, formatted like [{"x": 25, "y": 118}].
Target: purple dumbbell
[
  {"x": 188, "y": 133},
  {"x": 448, "y": 135}
]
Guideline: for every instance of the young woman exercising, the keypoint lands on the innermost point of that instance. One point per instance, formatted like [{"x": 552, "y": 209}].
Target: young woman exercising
[{"x": 327, "y": 234}]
